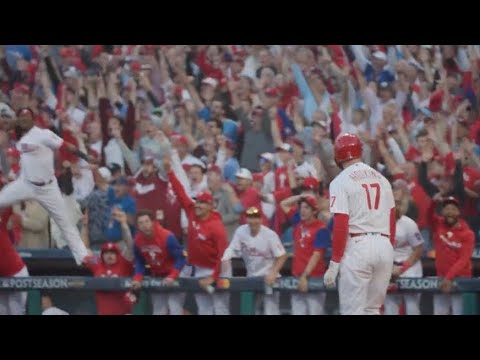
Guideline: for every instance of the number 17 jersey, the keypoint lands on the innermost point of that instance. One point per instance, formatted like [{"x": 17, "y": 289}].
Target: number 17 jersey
[{"x": 365, "y": 196}]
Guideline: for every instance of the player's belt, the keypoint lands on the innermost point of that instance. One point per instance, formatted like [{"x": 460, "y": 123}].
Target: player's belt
[
  {"x": 363, "y": 234},
  {"x": 40, "y": 183}
]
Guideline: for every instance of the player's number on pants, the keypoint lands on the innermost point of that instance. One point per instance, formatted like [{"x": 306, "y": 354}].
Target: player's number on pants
[{"x": 375, "y": 186}]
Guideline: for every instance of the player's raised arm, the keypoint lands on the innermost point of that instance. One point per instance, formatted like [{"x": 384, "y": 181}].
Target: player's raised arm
[{"x": 177, "y": 186}]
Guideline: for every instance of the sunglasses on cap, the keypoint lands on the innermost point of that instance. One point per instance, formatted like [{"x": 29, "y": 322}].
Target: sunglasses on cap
[{"x": 253, "y": 211}]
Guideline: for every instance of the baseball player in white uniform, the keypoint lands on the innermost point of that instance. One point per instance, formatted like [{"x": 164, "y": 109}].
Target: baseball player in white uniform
[
  {"x": 263, "y": 254},
  {"x": 408, "y": 250},
  {"x": 362, "y": 202},
  {"x": 37, "y": 179}
]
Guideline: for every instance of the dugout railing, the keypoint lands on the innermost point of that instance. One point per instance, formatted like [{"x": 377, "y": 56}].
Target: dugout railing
[{"x": 48, "y": 268}]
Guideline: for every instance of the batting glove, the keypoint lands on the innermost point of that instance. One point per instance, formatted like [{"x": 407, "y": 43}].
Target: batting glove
[{"x": 331, "y": 275}]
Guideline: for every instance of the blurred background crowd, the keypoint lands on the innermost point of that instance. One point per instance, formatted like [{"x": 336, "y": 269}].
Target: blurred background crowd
[{"x": 251, "y": 123}]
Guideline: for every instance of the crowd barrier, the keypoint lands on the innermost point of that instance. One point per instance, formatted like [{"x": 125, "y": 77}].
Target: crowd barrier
[
  {"x": 244, "y": 288},
  {"x": 239, "y": 284}
]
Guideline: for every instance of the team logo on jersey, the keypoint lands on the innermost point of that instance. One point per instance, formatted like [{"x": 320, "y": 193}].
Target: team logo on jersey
[
  {"x": 450, "y": 243},
  {"x": 26, "y": 148},
  {"x": 252, "y": 251}
]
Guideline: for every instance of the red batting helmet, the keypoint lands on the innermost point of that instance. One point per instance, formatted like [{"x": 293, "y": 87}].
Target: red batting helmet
[{"x": 347, "y": 147}]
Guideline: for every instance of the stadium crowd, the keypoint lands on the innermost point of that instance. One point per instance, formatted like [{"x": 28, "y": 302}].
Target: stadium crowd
[{"x": 247, "y": 132}]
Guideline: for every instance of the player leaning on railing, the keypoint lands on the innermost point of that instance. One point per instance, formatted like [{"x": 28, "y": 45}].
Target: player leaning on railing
[{"x": 454, "y": 242}]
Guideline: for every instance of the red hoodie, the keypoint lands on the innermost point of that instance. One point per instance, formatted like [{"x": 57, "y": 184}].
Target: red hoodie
[
  {"x": 207, "y": 238},
  {"x": 11, "y": 263},
  {"x": 162, "y": 253},
  {"x": 453, "y": 248},
  {"x": 111, "y": 303}
]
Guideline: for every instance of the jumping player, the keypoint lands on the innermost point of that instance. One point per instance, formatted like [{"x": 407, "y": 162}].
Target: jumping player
[{"x": 37, "y": 177}]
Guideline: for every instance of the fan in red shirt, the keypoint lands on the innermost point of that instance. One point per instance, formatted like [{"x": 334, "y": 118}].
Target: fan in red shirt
[
  {"x": 310, "y": 239},
  {"x": 454, "y": 243},
  {"x": 206, "y": 243},
  {"x": 11, "y": 265},
  {"x": 153, "y": 193},
  {"x": 113, "y": 263}
]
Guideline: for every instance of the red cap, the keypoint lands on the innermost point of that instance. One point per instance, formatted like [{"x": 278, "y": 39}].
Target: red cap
[
  {"x": 109, "y": 246},
  {"x": 181, "y": 139},
  {"x": 311, "y": 201},
  {"x": 310, "y": 183},
  {"x": 205, "y": 197},
  {"x": 13, "y": 152},
  {"x": 450, "y": 200},
  {"x": 135, "y": 66},
  {"x": 272, "y": 92},
  {"x": 215, "y": 169},
  {"x": 22, "y": 88}
]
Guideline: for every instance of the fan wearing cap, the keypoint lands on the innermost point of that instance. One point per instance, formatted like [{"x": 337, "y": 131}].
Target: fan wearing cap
[
  {"x": 158, "y": 248},
  {"x": 263, "y": 253},
  {"x": 153, "y": 192},
  {"x": 196, "y": 174},
  {"x": 11, "y": 265},
  {"x": 454, "y": 242},
  {"x": 377, "y": 69},
  {"x": 113, "y": 262},
  {"x": 245, "y": 195},
  {"x": 362, "y": 203},
  {"x": 267, "y": 170},
  {"x": 37, "y": 177},
  {"x": 310, "y": 239},
  {"x": 206, "y": 242}
]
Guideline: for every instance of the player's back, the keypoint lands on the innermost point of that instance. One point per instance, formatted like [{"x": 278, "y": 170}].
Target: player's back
[{"x": 366, "y": 196}]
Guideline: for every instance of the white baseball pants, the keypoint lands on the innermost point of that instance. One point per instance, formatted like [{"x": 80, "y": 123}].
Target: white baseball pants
[
  {"x": 14, "y": 302},
  {"x": 365, "y": 273},
  {"x": 412, "y": 301},
  {"x": 168, "y": 303},
  {"x": 271, "y": 304},
  {"x": 216, "y": 303},
  {"x": 308, "y": 303},
  {"x": 393, "y": 301},
  {"x": 443, "y": 303},
  {"x": 50, "y": 197}
]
